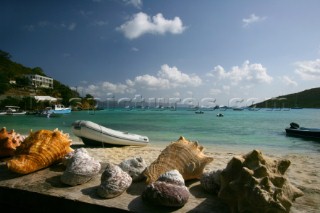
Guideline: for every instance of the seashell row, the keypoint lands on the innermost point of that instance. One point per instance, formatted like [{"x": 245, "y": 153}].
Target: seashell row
[
  {"x": 114, "y": 181},
  {"x": 169, "y": 190},
  {"x": 256, "y": 183},
  {"x": 185, "y": 156},
  {"x": 134, "y": 167},
  {"x": 39, "y": 150},
  {"x": 80, "y": 167},
  {"x": 9, "y": 141}
]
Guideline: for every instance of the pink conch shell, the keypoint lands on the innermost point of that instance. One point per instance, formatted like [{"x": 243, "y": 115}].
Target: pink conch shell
[{"x": 9, "y": 141}]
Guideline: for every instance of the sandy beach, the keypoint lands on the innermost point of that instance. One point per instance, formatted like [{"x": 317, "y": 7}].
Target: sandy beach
[{"x": 304, "y": 171}]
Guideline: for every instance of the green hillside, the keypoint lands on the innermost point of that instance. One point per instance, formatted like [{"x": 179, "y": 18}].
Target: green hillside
[
  {"x": 306, "y": 99},
  {"x": 12, "y": 71}
]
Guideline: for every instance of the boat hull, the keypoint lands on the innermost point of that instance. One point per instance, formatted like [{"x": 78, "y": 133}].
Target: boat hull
[
  {"x": 304, "y": 132},
  {"x": 93, "y": 134}
]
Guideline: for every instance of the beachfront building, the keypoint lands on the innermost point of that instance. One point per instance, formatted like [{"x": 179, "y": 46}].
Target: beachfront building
[{"x": 40, "y": 81}]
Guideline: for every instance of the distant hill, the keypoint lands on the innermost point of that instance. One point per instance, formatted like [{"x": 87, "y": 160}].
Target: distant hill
[
  {"x": 306, "y": 99},
  {"x": 12, "y": 71}
]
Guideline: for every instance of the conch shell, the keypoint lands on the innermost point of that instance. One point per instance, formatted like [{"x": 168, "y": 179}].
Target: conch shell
[
  {"x": 168, "y": 190},
  {"x": 39, "y": 150},
  {"x": 256, "y": 183},
  {"x": 185, "y": 156},
  {"x": 80, "y": 167},
  {"x": 9, "y": 141}
]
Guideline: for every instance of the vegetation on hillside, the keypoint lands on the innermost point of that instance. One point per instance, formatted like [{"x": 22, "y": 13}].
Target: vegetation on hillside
[
  {"x": 21, "y": 92},
  {"x": 306, "y": 99}
]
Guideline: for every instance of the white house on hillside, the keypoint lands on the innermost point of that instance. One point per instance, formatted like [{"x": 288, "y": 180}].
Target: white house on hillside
[{"x": 40, "y": 81}]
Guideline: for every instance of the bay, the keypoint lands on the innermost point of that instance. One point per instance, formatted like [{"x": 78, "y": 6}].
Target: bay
[{"x": 239, "y": 130}]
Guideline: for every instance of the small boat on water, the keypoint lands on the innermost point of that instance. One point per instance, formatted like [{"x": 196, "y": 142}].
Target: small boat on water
[
  {"x": 199, "y": 112},
  {"x": 93, "y": 134},
  {"x": 59, "y": 109},
  {"x": 219, "y": 115},
  {"x": 296, "y": 130},
  {"x": 12, "y": 110}
]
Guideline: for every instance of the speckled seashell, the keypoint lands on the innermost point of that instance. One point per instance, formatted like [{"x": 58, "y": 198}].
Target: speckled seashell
[
  {"x": 185, "y": 156},
  {"x": 9, "y": 141},
  {"x": 80, "y": 168},
  {"x": 256, "y": 183},
  {"x": 134, "y": 167},
  {"x": 168, "y": 190},
  {"x": 39, "y": 150},
  {"x": 114, "y": 181},
  {"x": 210, "y": 181}
]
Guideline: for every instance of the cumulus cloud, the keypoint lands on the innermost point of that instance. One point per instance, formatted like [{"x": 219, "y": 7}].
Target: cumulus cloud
[
  {"x": 308, "y": 70},
  {"x": 141, "y": 24},
  {"x": 252, "y": 19},
  {"x": 253, "y": 73},
  {"x": 166, "y": 78}
]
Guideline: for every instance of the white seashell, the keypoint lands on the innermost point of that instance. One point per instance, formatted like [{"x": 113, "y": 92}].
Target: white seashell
[
  {"x": 114, "y": 181},
  {"x": 80, "y": 168},
  {"x": 168, "y": 190},
  {"x": 134, "y": 167}
]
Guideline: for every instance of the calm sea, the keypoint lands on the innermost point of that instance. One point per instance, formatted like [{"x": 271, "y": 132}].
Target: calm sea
[{"x": 240, "y": 130}]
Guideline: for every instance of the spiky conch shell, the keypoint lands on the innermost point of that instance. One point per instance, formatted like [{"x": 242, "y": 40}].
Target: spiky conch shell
[
  {"x": 39, "y": 150},
  {"x": 185, "y": 156},
  {"x": 9, "y": 141},
  {"x": 256, "y": 183}
]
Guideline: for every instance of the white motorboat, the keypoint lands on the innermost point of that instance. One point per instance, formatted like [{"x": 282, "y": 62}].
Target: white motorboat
[
  {"x": 12, "y": 110},
  {"x": 93, "y": 134},
  {"x": 59, "y": 109}
]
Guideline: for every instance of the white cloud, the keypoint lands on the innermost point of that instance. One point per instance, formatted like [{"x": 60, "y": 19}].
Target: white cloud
[
  {"x": 215, "y": 92},
  {"x": 141, "y": 24},
  {"x": 135, "y": 3},
  {"x": 252, "y": 73},
  {"x": 252, "y": 19},
  {"x": 288, "y": 81},
  {"x": 166, "y": 78},
  {"x": 308, "y": 70}
]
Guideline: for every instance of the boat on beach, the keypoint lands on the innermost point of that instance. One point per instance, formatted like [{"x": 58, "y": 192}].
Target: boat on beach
[
  {"x": 296, "y": 130},
  {"x": 93, "y": 134}
]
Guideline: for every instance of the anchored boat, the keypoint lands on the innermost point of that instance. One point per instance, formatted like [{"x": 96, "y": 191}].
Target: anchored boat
[
  {"x": 296, "y": 130},
  {"x": 93, "y": 134}
]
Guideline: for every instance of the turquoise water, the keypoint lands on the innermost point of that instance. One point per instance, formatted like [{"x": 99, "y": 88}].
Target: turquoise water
[{"x": 245, "y": 129}]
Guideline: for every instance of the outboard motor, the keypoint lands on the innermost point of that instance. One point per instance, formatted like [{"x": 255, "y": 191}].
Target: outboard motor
[{"x": 294, "y": 125}]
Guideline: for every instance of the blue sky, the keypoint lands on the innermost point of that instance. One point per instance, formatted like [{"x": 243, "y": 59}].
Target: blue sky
[{"x": 224, "y": 50}]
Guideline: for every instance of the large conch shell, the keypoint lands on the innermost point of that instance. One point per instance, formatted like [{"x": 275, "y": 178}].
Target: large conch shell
[
  {"x": 39, "y": 150},
  {"x": 9, "y": 141},
  {"x": 256, "y": 183},
  {"x": 185, "y": 156}
]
